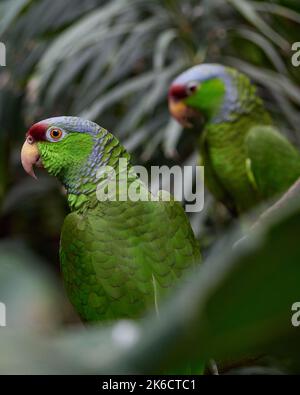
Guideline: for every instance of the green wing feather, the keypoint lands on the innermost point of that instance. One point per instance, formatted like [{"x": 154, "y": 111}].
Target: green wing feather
[
  {"x": 274, "y": 162},
  {"x": 212, "y": 180},
  {"x": 118, "y": 258}
]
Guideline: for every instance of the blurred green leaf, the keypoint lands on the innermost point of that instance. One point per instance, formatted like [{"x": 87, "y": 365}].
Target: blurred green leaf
[
  {"x": 29, "y": 290},
  {"x": 238, "y": 303},
  {"x": 248, "y": 11},
  {"x": 267, "y": 47},
  {"x": 9, "y": 10},
  {"x": 273, "y": 8}
]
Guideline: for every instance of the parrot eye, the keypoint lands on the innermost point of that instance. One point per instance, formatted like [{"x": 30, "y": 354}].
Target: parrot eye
[
  {"x": 55, "y": 134},
  {"x": 192, "y": 87}
]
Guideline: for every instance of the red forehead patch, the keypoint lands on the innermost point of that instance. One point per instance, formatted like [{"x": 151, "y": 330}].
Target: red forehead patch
[
  {"x": 178, "y": 92},
  {"x": 38, "y": 131}
]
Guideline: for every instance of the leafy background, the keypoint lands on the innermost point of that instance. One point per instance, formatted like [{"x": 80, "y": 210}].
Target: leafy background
[{"x": 112, "y": 62}]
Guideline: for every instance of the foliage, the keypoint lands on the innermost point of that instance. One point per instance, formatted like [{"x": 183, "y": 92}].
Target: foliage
[
  {"x": 238, "y": 304},
  {"x": 98, "y": 58}
]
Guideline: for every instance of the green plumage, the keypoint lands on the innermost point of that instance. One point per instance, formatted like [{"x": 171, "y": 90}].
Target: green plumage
[
  {"x": 246, "y": 163},
  {"x": 117, "y": 257},
  {"x": 246, "y": 160}
]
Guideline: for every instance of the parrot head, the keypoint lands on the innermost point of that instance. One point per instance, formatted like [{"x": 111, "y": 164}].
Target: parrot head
[
  {"x": 61, "y": 145},
  {"x": 198, "y": 94}
]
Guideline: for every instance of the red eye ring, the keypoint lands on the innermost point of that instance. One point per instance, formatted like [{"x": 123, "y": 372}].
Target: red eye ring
[
  {"x": 56, "y": 134},
  {"x": 30, "y": 140}
]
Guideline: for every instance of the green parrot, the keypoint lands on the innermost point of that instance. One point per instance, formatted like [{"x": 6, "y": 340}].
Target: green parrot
[
  {"x": 117, "y": 256},
  {"x": 246, "y": 160}
]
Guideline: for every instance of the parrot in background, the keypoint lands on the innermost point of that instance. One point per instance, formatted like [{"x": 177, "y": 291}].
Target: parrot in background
[
  {"x": 117, "y": 257},
  {"x": 246, "y": 160}
]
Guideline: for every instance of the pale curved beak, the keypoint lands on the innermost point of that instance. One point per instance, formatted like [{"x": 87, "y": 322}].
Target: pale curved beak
[
  {"x": 178, "y": 109},
  {"x": 181, "y": 112},
  {"x": 29, "y": 157}
]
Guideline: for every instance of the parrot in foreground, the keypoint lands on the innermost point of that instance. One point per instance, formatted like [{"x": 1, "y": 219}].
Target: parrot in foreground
[
  {"x": 117, "y": 257},
  {"x": 246, "y": 160}
]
